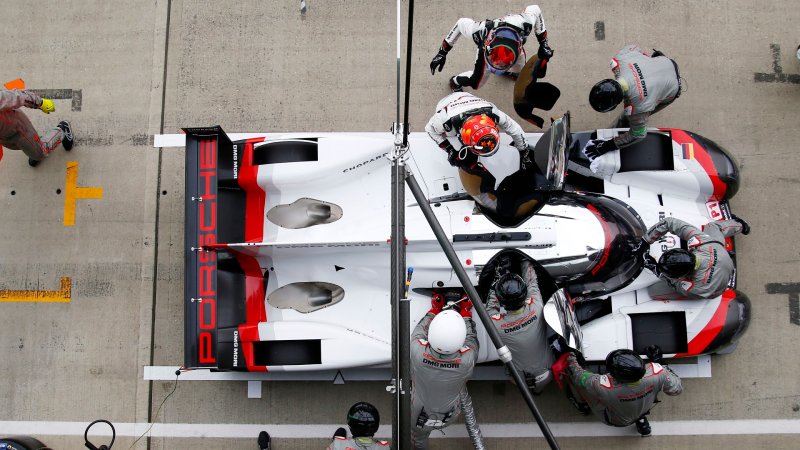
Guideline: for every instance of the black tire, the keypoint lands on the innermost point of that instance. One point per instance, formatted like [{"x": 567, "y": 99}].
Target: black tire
[{"x": 23, "y": 443}]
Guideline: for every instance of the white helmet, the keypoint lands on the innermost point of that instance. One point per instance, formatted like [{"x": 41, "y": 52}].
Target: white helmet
[{"x": 447, "y": 332}]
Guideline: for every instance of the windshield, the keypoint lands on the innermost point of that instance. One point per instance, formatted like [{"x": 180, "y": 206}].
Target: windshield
[{"x": 615, "y": 265}]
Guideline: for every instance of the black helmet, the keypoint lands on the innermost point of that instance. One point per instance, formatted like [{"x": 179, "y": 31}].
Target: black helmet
[
  {"x": 605, "y": 95},
  {"x": 363, "y": 419},
  {"x": 511, "y": 291},
  {"x": 676, "y": 263},
  {"x": 625, "y": 365}
]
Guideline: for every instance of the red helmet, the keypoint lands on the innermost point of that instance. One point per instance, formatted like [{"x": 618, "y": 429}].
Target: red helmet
[
  {"x": 479, "y": 133},
  {"x": 502, "y": 47}
]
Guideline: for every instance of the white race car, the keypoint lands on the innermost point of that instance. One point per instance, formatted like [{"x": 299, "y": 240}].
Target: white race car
[{"x": 287, "y": 244}]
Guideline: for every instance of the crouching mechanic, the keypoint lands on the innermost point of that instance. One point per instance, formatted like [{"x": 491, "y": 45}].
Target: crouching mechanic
[
  {"x": 702, "y": 271},
  {"x": 363, "y": 420},
  {"x": 444, "y": 348},
  {"x": 17, "y": 131},
  {"x": 646, "y": 82},
  {"x": 625, "y": 395},
  {"x": 475, "y": 122},
  {"x": 521, "y": 326},
  {"x": 500, "y": 46}
]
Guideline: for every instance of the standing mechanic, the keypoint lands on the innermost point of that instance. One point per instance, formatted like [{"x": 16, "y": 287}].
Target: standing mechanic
[
  {"x": 521, "y": 326},
  {"x": 475, "y": 122},
  {"x": 500, "y": 46},
  {"x": 363, "y": 420},
  {"x": 702, "y": 271},
  {"x": 625, "y": 395},
  {"x": 444, "y": 348},
  {"x": 17, "y": 131},
  {"x": 646, "y": 82}
]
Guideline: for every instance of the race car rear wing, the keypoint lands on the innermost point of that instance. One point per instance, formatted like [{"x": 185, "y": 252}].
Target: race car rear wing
[{"x": 223, "y": 296}]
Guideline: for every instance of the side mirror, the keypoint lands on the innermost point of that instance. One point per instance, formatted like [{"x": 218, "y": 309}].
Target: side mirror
[{"x": 560, "y": 316}]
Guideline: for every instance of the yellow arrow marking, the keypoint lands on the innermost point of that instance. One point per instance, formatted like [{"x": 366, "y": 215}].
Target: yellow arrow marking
[
  {"x": 62, "y": 295},
  {"x": 73, "y": 192}
]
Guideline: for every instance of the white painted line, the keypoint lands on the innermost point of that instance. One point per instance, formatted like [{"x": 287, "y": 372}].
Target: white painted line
[{"x": 489, "y": 430}]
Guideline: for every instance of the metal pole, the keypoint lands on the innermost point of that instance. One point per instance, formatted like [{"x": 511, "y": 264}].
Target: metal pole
[
  {"x": 400, "y": 301},
  {"x": 466, "y": 283},
  {"x": 394, "y": 298},
  {"x": 401, "y": 426}
]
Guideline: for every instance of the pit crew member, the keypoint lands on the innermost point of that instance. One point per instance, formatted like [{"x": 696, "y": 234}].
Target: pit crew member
[
  {"x": 444, "y": 348},
  {"x": 363, "y": 420},
  {"x": 521, "y": 325},
  {"x": 646, "y": 82},
  {"x": 624, "y": 395},
  {"x": 702, "y": 271},
  {"x": 17, "y": 131},
  {"x": 500, "y": 46}
]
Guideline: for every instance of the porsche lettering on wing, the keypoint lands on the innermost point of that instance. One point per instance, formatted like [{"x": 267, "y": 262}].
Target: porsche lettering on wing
[{"x": 207, "y": 262}]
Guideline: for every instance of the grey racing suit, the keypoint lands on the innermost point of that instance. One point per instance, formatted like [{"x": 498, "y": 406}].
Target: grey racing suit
[
  {"x": 525, "y": 332},
  {"x": 438, "y": 381},
  {"x": 17, "y": 131},
  {"x": 621, "y": 404},
  {"x": 649, "y": 85},
  {"x": 713, "y": 264},
  {"x": 523, "y": 23},
  {"x": 354, "y": 443}
]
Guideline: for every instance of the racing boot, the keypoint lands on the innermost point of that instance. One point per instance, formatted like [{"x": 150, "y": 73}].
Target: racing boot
[
  {"x": 264, "y": 441},
  {"x": 33, "y": 162},
  {"x": 643, "y": 426},
  {"x": 68, "y": 139},
  {"x": 340, "y": 432},
  {"x": 454, "y": 86},
  {"x": 745, "y": 225}
]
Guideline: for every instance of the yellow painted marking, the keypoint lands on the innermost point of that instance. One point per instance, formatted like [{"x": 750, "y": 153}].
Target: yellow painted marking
[
  {"x": 62, "y": 295},
  {"x": 72, "y": 192}
]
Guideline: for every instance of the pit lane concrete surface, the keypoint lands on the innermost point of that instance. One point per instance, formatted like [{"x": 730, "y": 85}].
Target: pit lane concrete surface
[{"x": 91, "y": 242}]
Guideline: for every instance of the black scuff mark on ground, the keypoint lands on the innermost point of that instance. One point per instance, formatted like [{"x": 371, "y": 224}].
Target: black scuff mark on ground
[
  {"x": 599, "y": 31},
  {"x": 793, "y": 292},
  {"x": 74, "y": 95},
  {"x": 777, "y": 75}
]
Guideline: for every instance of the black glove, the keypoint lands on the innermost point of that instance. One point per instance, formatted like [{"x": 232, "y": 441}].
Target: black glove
[
  {"x": 657, "y": 53},
  {"x": 438, "y": 61},
  {"x": 596, "y": 148},
  {"x": 579, "y": 357},
  {"x": 651, "y": 264},
  {"x": 545, "y": 52},
  {"x": 654, "y": 353},
  {"x": 452, "y": 153},
  {"x": 641, "y": 245},
  {"x": 745, "y": 225}
]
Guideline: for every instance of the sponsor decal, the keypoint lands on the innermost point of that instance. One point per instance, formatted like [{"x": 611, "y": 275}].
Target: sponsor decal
[
  {"x": 667, "y": 242},
  {"x": 206, "y": 261},
  {"x": 235, "y": 348},
  {"x": 430, "y": 360},
  {"x": 714, "y": 210},
  {"x": 377, "y": 158},
  {"x": 636, "y": 395},
  {"x": 519, "y": 324},
  {"x": 235, "y": 161},
  {"x": 642, "y": 88}
]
